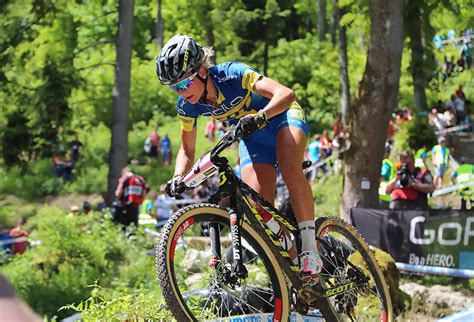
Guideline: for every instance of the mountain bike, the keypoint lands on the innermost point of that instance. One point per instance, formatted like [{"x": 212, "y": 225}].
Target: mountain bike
[{"x": 218, "y": 260}]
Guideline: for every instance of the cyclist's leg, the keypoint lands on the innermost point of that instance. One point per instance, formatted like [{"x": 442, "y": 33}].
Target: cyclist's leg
[
  {"x": 290, "y": 147},
  {"x": 262, "y": 178},
  {"x": 291, "y": 144},
  {"x": 257, "y": 161}
]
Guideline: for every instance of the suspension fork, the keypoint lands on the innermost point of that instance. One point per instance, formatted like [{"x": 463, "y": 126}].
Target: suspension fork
[
  {"x": 238, "y": 267},
  {"x": 215, "y": 235}
]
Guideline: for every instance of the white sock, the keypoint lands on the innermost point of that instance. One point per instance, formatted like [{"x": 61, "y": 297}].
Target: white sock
[{"x": 308, "y": 236}]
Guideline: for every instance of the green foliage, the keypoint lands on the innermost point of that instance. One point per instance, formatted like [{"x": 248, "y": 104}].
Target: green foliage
[
  {"x": 122, "y": 304},
  {"x": 35, "y": 182},
  {"x": 74, "y": 252},
  {"x": 327, "y": 195},
  {"x": 12, "y": 209},
  {"x": 413, "y": 135}
]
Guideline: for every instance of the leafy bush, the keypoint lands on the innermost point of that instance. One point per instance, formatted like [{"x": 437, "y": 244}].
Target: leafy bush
[
  {"x": 122, "y": 304},
  {"x": 36, "y": 181},
  {"x": 12, "y": 209},
  {"x": 414, "y": 134},
  {"x": 75, "y": 251}
]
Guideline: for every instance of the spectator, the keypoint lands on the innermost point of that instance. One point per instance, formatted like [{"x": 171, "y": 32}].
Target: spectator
[
  {"x": 5, "y": 246},
  {"x": 387, "y": 173},
  {"x": 449, "y": 118},
  {"x": 74, "y": 210},
  {"x": 420, "y": 157},
  {"x": 58, "y": 166},
  {"x": 147, "y": 205},
  {"x": 68, "y": 165},
  {"x": 467, "y": 117},
  {"x": 164, "y": 207},
  {"x": 339, "y": 143},
  {"x": 210, "y": 130},
  {"x": 19, "y": 247},
  {"x": 166, "y": 150},
  {"x": 391, "y": 129},
  {"x": 86, "y": 207},
  {"x": 201, "y": 193},
  {"x": 326, "y": 144},
  {"x": 337, "y": 126},
  {"x": 436, "y": 120},
  {"x": 154, "y": 143},
  {"x": 410, "y": 186},
  {"x": 452, "y": 37},
  {"x": 463, "y": 175},
  {"x": 449, "y": 105},
  {"x": 75, "y": 149},
  {"x": 438, "y": 41},
  {"x": 458, "y": 104},
  {"x": 440, "y": 157},
  {"x": 130, "y": 192},
  {"x": 221, "y": 128},
  {"x": 314, "y": 153},
  {"x": 466, "y": 53},
  {"x": 460, "y": 93}
]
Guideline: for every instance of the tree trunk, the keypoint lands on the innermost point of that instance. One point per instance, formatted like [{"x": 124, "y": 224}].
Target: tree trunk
[
  {"x": 413, "y": 28},
  {"x": 344, "y": 71},
  {"x": 159, "y": 27},
  {"x": 334, "y": 22},
  {"x": 321, "y": 20},
  {"x": 376, "y": 100},
  {"x": 121, "y": 96}
]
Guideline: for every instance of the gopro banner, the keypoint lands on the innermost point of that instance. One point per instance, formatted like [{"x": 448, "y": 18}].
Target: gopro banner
[{"x": 436, "y": 238}]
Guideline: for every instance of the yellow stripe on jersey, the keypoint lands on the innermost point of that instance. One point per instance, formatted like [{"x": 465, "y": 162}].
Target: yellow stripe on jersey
[
  {"x": 187, "y": 123},
  {"x": 296, "y": 111},
  {"x": 249, "y": 79}
]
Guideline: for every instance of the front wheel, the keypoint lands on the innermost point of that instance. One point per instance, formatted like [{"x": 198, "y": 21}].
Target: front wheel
[
  {"x": 197, "y": 287},
  {"x": 352, "y": 279}
]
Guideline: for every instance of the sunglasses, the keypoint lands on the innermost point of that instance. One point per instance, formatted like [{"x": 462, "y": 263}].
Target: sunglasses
[{"x": 184, "y": 84}]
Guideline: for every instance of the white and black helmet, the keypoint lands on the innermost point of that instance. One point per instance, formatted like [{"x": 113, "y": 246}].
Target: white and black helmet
[{"x": 180, "y": 55}]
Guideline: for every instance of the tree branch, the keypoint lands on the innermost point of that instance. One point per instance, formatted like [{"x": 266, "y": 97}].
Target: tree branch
[
  {"x": 95, "y": 65},
  {"x": 100, "y": 42}
]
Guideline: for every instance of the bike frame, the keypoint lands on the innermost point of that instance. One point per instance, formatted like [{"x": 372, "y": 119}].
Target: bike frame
[{"x": 243, "y": 203}]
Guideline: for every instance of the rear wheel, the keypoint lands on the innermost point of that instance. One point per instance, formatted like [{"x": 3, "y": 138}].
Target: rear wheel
[
  {"x": 195, "y": 290},
  {"x": 351, "y": 276}
]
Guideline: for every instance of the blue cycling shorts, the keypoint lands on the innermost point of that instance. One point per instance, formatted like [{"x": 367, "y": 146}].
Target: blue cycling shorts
[{"x": 261, "y": 146}]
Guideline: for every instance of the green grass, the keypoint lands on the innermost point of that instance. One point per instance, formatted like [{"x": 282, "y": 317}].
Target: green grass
[{"x": 327, "y": 193}]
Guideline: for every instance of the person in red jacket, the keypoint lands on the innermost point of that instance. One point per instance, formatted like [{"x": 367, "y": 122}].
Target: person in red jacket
[
  {"x": 130, "y": 193},
  {"x": 19, "y": 247}
]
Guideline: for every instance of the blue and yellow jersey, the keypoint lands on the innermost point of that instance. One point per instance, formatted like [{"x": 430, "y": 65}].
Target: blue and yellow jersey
[{"x": 234, "y": 83}]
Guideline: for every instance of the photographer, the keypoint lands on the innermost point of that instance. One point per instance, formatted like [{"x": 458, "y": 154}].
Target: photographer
[{"x": 410, "y": 188}]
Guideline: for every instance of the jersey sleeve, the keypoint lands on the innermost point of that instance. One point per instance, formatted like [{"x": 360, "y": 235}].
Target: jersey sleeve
[
  {"x": 244, "y": 75},
  {"x": 187, "y": 115}
]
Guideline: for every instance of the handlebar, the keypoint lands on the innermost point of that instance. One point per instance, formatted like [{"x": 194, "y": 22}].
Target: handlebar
[{"x": 233, "y": 134}]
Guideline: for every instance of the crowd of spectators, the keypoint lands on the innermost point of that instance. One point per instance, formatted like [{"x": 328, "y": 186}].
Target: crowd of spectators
[
  {"x": 64, "y": 163},
  {"x": 214, "y": 126},
  {"x": 463, "y": 44},
  {"x": 322, "y": 146},
  {"x": 455, "y": 111},
  {"x": 155, "y": 147}
]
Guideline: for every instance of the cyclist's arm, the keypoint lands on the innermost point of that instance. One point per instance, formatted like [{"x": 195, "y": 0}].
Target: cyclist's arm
[
  {"x": 185, "y": 157},
  {"x": 281, "y": 97}
]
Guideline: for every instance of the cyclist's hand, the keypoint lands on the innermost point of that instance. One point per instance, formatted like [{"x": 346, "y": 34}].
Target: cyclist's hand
[
  {"x": 251, "y": 123},
  {"x": 175, "y": 186}
]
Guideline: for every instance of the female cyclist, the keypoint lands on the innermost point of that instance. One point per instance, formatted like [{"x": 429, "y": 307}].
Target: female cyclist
[{"x": 235, "y": 92}]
